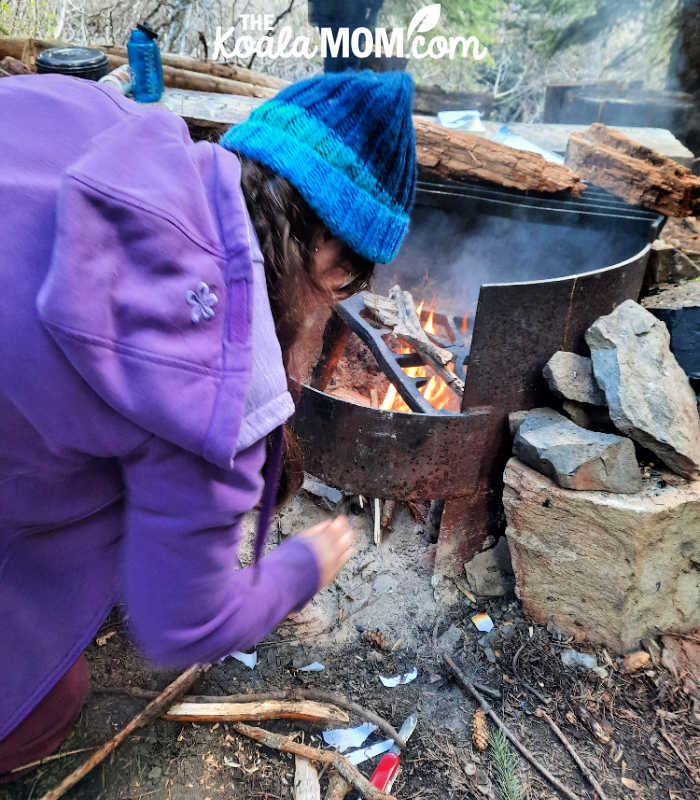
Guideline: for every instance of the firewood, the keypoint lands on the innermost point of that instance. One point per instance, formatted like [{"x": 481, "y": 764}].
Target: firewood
[
  {"x": 218, "y": 80},
  {"x": 461, "y": 156},
  {"x": 306, "y": 785},
  {"x": 228, "y": 71},
  {"x": 398, "y": 312},
  {"x": 307, "y": 710},
  {"x": 196, "y": 81},
  {"x": 633, "y": 172}
]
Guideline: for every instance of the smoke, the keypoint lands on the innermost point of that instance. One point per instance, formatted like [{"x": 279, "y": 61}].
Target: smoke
[{"x": 448, "y": 255}]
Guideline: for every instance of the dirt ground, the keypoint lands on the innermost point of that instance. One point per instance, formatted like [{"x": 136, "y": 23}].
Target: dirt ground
[{"x": 650, "y": 716}]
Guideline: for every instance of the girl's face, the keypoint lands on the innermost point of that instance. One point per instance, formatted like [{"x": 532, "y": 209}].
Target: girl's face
[{"x": 331, "y": 269}]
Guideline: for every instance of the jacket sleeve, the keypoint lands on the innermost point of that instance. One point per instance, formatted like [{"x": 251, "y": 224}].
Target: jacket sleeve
[{"x": 186, "y": 596}]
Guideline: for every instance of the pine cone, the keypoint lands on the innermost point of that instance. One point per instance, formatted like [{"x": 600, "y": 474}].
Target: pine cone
[
  {"x": 480, "y": 737},
  {"x": 377, "y": 639}
]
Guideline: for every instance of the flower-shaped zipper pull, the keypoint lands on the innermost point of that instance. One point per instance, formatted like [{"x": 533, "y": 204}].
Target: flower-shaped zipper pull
[{"x": 202, "y": 301}]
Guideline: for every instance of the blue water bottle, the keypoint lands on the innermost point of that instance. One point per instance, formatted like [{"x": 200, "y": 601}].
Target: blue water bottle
[{"x": 144, "y": 60}]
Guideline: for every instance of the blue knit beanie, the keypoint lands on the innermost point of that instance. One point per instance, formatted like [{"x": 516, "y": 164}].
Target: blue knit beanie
[{"x": 345, "y": 141}]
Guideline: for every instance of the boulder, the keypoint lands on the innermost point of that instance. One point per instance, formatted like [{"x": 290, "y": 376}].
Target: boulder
[
  {"x": 613, "y": 568},
  {"x": 489, "y": 573},
  {"x": 593, "y": 418},
  {"x": 678, "y": 307},
  {"x": 574, "y": 457},
  {"x": 668, "y": 263},
  {"x": 571, "y": 376},
  {"x": 648, "y": 395}
]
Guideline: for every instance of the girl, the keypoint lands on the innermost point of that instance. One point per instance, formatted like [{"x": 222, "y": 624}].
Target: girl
[{"x": 152, "y": 289}]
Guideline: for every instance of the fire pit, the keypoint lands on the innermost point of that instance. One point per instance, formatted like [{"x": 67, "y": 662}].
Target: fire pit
[{"x": 514, "y": 278}]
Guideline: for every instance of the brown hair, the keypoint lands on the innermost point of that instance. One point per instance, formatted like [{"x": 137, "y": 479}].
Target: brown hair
[{"x": 288, "y": 231}]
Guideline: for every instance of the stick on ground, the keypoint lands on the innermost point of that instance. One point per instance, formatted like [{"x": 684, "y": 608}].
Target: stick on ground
[
  {"x": 154, "y": 709},
  {"x": 308, "y": 710},
  {"x": 540, "y": 712},
  {"x": 341, "y": 764},
  {"x": 469, "y": 686}
]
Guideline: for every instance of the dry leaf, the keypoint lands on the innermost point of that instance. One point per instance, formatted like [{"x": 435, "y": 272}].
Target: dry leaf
[{"x": 628, "y": 783}]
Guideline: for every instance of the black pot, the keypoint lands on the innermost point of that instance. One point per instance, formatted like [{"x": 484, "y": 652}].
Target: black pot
[{"x": 82, "y": 62}]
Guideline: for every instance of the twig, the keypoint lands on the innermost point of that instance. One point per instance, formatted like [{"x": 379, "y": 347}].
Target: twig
[
  {"x": 530, "y": 688},
  {"x": 667, "y": 739},
  {"x": 541, "y": 713},
  {"x": 153, "y": 710},
  {"x": 133, "y": 691},
  {"x": 54, "y": 757},
  {"x": 469, "y": 686},
  {"x": 342, "y": 765},
  {"x": 350, "y": 705}
]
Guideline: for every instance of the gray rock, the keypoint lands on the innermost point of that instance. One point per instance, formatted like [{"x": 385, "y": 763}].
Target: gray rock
[
  {"x": 577, "y": 458},
  {"x": 489, "y": 573},
  {"x": 649, "y": 396},
  {"x": 593, "y": 418},
  {"x": 515, "y": 418},
  {"x": 449, "y": 640},
  {"x": 571, "y": 376},
  {"x": 668, "y": 263},
  {"x": 678, "y": 307},
  {"x": 611, "y": 568}
]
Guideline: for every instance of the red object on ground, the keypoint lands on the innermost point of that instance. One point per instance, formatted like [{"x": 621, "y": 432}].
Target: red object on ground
[
  {"x": 39, "y": 734},
  {"x": 384, "y": 775}
]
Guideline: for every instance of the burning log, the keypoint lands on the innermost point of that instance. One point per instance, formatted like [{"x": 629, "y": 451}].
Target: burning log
[
  {"x": 461, "y": 156},
  {"x": 398, "y": 311},
  {"x": 633, "y": 172}
]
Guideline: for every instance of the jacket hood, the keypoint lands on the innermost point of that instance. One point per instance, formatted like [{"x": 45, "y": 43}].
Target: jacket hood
[{"x": 150, "y": 288}]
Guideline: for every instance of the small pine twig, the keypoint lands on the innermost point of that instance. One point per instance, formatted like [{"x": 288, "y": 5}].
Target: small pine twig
[{"x": 504, "y": 767}]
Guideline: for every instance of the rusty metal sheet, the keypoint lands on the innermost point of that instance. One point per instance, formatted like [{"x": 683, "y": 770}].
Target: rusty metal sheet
[
  {"x": 390, "y": 453},
  {"x": 519, "y": 326}
]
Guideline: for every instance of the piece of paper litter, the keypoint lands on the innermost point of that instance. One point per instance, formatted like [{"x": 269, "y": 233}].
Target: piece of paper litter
[
  {"x": 249, "y": 659},
  {"x": 483, "y": 622},
  {"x": 399, "y": 680},
  {"x": 345, "y": 738},
  {"x": 372, "y": 750},
  {"x": 315, "y": 666}
]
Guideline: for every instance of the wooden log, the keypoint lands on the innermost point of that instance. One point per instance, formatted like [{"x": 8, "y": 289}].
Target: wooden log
[
  {"x": 306, "y": 785},
  {"x": 633, "y": 172},
  {"x": 461, "y": 156},
  {"x": 228, "y": 71},
  {"x": 307, "y": 710},
  {"x": 27, "y": 51},
  {"x": 199, "y": 82}
]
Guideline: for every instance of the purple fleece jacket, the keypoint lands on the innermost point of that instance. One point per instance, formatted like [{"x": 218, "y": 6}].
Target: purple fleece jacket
[{"x": 131, "y": 436}]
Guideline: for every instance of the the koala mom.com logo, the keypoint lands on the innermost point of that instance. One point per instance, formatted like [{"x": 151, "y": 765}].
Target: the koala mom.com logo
[{"x": 407, "y": 42}]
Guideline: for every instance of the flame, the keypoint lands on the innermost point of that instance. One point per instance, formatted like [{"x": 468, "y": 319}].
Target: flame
[
  {"x": 464, "y": 325},
  {"x": 435, "y": 391}
]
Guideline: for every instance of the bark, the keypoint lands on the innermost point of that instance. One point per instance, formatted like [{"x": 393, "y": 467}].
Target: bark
[{"x": 633, "y": 172}]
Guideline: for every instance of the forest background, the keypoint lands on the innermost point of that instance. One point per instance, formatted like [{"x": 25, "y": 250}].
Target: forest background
[{"x": 531, "y": 43}]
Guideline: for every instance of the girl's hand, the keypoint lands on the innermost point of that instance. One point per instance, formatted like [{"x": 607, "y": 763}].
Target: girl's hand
[{"x": 332, "y": 544}]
